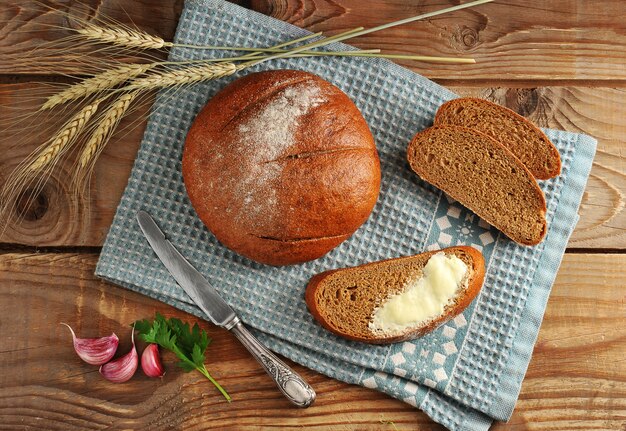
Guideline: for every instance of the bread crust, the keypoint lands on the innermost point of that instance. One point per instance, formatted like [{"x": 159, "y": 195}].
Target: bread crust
[
  {"x": 423, "y": 173},
  {"x": 474, "y": 285},
  {"x": 273, "y": 202},
  {"x": 445, "y": 116}
]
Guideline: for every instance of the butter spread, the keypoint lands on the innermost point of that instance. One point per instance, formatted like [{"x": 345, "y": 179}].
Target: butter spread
[{"x": 423, "y": 298}]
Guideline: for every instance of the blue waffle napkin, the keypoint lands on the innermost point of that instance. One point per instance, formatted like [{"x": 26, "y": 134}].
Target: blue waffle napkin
[{"x": 464, "y": 374}]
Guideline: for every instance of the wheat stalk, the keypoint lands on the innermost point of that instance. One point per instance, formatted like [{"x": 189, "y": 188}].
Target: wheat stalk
[
  {"x": 66, "y": 135},
  {"x": 100, "y": 82},
  {"x": 108, "y": 122},
  {"x": 182, "y": 76},
  {"x": 122, "y": 36}
]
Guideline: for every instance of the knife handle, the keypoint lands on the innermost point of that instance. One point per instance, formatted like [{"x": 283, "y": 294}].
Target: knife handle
[{"x": 297, "y": 391}]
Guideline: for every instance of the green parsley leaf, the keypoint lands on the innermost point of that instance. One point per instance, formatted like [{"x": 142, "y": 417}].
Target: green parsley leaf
[
  {"x": 188, "y": 344},
  {"x": 197, "y": 356},
  {"x": 142, "y": 326}
]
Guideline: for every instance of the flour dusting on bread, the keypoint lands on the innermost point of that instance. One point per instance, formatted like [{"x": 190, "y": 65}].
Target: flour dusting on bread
[
  {"x": 271, "y": 130},
  {"x": 269, "y": 135}
]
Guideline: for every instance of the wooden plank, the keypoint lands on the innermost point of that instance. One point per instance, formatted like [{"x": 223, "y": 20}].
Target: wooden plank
[
  {"x": 57, "y": 217},
  {"x": 582, "y": 337},
  {"x": 576, "y": 379},
  {"x": 28, "y": 25},
  {"x": 59, "y": 220},
  {"x": 550, "y": 40}
]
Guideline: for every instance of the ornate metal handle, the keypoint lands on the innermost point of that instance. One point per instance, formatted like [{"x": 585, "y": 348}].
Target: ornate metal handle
[{"x": 297, "y": 391}]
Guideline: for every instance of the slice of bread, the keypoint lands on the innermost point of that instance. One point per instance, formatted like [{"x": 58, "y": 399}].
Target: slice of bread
[
  {"x": 520, "y": 136},
  {"x": 345, "y": 300},
  {"x": 483, "y": 176}
]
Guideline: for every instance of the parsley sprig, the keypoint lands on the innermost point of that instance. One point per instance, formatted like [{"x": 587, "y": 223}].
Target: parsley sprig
[{"x": 188, "y": 344}]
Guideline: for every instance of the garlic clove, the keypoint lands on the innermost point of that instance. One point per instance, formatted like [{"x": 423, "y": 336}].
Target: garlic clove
[
  {"x": 123, "y": 368},
  {"x": 95, "y": 351},
  {"x": 151, "y": 361}
]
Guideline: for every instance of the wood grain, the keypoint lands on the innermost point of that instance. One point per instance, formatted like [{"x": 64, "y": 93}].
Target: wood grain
[
  {"x": 576, "y": 380},
  {"x": 511, "y": 40},
  {"x": 59, "y": 220},
  {"x": 57, "y": 217},
  {"x": 41, "y": 25}
]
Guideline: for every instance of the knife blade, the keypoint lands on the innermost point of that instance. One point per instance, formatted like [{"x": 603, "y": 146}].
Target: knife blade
[
  {"x": 297, "y": 391},
  {"x": 193, "y": 283}
]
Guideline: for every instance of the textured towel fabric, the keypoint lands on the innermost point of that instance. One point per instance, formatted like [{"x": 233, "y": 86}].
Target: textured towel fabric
[{"x": 464, "y": 374}]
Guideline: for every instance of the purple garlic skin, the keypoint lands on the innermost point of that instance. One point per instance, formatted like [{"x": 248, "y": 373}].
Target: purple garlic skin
[
  {"x": 95, "y": 351},
  {"x": 123, "y": 368},
  {"x": 151, "y": 362}
]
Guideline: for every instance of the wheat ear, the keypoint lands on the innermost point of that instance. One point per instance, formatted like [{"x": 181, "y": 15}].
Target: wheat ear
[
  {"x": 66, "y": 136},
  {"x": 110, "y": 118},
  {"x": 100, "y": 82},
  {"x": 122, "y": 36},
  {"x": 182, "y": 76}
]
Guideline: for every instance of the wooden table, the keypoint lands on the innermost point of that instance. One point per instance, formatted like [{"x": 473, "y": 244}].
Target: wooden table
[{"x": 561, "y": 63}]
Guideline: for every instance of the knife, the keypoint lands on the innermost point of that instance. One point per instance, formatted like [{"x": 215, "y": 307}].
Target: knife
[{"x": 297, "y": 391}]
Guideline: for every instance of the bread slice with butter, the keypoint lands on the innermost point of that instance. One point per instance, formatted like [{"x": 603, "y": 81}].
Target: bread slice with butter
[{"x": 397, "y": 299}]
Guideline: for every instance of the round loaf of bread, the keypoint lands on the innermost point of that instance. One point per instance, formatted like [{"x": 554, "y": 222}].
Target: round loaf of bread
[{"x": 281, "y": 167}]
